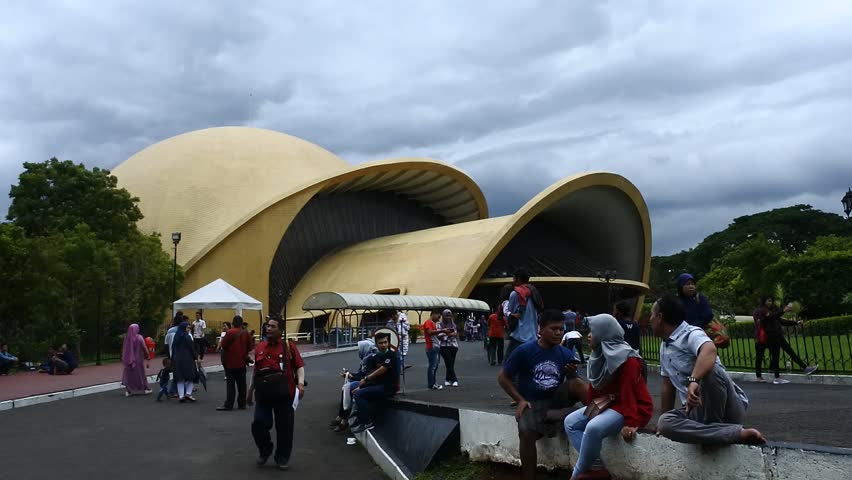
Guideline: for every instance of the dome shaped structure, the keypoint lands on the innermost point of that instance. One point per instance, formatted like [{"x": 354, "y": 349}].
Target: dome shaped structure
[{"x": 206, "y": 182}]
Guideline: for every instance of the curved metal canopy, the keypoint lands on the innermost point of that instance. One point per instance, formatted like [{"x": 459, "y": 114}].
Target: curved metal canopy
[{"x": 359, "y": 301}]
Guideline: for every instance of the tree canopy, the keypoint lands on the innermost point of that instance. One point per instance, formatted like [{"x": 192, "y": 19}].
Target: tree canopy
[
  {"x": 72, "y": 253},
  {"x": 795, "y": 250}
]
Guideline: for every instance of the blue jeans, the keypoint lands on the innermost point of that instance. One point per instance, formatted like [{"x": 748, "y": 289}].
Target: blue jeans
[
  {"x": 363, "y": 397},
  {"x": 587, "y": 435},
  {"x": 434, "y": 356},
  {"x": 283, "y": 421},
  {"x": 164, "y": 390}
]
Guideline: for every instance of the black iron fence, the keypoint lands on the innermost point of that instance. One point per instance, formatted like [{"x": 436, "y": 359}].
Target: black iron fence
[{"x": 832, "y": 350}]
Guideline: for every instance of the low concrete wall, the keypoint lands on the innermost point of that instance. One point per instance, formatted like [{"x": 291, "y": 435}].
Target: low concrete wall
[{"x": 493, "y": 437}]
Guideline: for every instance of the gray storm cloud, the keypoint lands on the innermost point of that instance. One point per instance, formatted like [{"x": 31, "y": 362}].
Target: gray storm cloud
[{"x": 713, "y": 109}]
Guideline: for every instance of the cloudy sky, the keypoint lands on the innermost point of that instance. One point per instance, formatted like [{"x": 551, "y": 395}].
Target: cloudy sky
[{"x": 713, "y": 109}]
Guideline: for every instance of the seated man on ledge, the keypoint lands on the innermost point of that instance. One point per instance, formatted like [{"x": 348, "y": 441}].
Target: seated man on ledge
[
  {"x": 713, "y": 406},
  {"x": 543, "y": 394},
  {"x": 382, "y": 382}
]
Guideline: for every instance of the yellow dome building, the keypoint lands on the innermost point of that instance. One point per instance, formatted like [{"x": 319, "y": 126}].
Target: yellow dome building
[{"x": 275, "y": 215}]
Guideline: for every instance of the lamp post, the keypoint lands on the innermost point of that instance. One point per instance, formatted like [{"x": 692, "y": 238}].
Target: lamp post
[
  {"x": 847, "y": 203},
  {"x": 608, "y": 276},
  {"x": 175, "y": 240}
]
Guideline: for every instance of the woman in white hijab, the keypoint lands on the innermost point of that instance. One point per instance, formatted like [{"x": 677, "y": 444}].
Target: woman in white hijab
[{"x": 617, "y": 386}]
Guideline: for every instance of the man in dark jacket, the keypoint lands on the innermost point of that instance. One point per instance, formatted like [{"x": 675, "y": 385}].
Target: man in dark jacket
[
  {"x": 236, "y": 346},
  {"x": 698, "y": 311}
]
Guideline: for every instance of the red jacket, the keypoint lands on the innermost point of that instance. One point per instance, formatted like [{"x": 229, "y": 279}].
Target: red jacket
[
  {"x": 632, "y": 398},
  {"x": 267, "y": 355},
  {"x": 236, "y": 345}
]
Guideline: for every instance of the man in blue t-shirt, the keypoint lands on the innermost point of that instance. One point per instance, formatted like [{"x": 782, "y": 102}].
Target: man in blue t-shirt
[{"x": 543, "y": 394}]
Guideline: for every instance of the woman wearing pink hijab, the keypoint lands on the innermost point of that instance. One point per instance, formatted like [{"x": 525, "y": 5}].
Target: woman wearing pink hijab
[{"x": 133, "y": 356}]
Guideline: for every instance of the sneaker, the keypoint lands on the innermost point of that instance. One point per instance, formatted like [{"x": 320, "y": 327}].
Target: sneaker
[
  {"x": 223, "y": 409},
  {"x": 780, "y": 381},
  {"x": 436, "y": 387},
  {"x": 455, "y": 384},
  {"x": 761, "y": 380},
  {"x": 361, "y": 427},
  {"x": 261, "y": 460},
  {"x": 447, "y": 384},
  {"x": 283, "y": 466},
  {"x": 811, "y": 369},
  {"x": 148, "y": 392}
]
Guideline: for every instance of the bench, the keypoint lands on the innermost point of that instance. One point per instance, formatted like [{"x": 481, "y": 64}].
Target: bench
[{"x": 306, "y": 336}]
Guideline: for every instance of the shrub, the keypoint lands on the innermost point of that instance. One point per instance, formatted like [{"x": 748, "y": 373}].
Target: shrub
[
  {"x": 414, "y": 333},
  {"x": 829, "y": 326}
]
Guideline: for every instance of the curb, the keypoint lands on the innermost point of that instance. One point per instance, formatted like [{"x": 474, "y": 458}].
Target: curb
[
  {"x": 105, "y": 387},
  {"x": 378, "y": 454}
]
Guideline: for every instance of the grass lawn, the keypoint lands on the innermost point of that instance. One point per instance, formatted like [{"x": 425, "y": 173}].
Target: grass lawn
[{"x": 833, "y": 353}]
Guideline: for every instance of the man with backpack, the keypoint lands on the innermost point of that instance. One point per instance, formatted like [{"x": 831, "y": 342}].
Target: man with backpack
[
  {"x": 524, "y": 305},
  {"x": 235, "y": 347}
]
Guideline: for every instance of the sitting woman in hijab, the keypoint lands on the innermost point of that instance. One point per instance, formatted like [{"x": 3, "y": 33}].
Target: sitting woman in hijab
[
  {"x": 134, "y": 357},
  {"x": 615, "y": 375},
  {"x": 365, "y": 349},
  {"x": 184, "y": 361}
]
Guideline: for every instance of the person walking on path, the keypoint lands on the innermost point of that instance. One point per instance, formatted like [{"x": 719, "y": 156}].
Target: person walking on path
[
  {"x": 496, "y": 330},
  {"x": 235, "y": 355},
  {"x": 184, "y": 362},
  {"x": 433, "y": 348},
  {"x": 615, "y": 368},
  {"x": 770, "y": 319},
  {"x": 698, "y": 310},
  {"x": 398, "y": 321},
  {"x": 198, "y": 327},
  {"x": 163, "y": 379},
  {"x": 134, "y": 356},
  {"x": 279, "y": 357},
  {"x": 524, "y": 305},
  {"x": 449, "y": 343},
  {"x": 713, "y": 406}
]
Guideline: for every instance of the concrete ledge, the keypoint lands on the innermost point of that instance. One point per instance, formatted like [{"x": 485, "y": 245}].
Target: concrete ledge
[
  {"x": 80, "y": 392},
  {"x": 493, "y": 437},
  {"x": 7, "y": 405},
  {"x": 37, "y": 399},
  {"x": 378, "y": 454},
  {"x": 316, "y": 353}
]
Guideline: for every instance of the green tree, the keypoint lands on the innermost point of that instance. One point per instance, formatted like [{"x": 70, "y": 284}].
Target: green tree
[{"x": 55, "y": 196}]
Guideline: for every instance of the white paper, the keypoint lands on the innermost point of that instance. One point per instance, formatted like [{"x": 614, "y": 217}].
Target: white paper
[{"x": 296, "y": 400}]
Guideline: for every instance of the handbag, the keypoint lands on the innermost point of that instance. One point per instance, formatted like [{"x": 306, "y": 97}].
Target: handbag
[
  {"x": 271, "y": 385},
  {"x": 598, "y": 405}
]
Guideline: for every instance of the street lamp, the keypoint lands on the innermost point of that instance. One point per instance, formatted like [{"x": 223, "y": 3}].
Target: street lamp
[
  {"x": 608, "y": 276},
  {"x": 847, "y": 202},
  {"x": 175, "y": 240}
]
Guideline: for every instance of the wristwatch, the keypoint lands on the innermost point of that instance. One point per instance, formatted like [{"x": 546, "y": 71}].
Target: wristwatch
[{"x": 691, "y": 380}]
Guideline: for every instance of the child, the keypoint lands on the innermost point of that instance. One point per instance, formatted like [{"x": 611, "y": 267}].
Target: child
[{"x": 163, "y": 379}]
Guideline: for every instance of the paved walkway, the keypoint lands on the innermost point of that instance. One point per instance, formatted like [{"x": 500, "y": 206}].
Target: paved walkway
[
  {"x": 109, "y": 436},
  {"x": 25, "y": 384}
]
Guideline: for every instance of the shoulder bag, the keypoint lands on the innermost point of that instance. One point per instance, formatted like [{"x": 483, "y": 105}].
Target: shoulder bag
[{"x": 598, "y": 405}]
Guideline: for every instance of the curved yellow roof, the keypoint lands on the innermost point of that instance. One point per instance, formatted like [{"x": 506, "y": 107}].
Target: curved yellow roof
[
  {"x": 201, "y": 183},
  {"x": 606, "y": 210}
]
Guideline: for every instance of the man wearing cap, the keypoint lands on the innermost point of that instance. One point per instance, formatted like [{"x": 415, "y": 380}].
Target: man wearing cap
[{"x": 381, "y": 382}]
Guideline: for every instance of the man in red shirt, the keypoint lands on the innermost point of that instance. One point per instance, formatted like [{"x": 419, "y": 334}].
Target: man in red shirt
[
  {"x": 235, "y": 347},
  {"x": 270, "y": 356},
  {"x": 433, "y": 350},
  {"x": 496, "y": 327}
]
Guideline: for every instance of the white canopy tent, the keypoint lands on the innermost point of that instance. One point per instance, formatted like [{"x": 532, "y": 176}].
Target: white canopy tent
[{"x": 218, "y": 295}]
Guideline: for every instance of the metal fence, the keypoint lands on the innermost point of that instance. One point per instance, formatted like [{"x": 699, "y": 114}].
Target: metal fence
[{"x": 832, "y": 351}]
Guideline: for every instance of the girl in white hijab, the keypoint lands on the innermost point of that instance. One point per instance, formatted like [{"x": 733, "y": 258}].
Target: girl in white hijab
[{"x": 614, "y": 371}]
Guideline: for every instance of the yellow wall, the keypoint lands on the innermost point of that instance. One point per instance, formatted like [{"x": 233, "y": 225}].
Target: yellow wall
[{"x": 243, "y": 259}]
